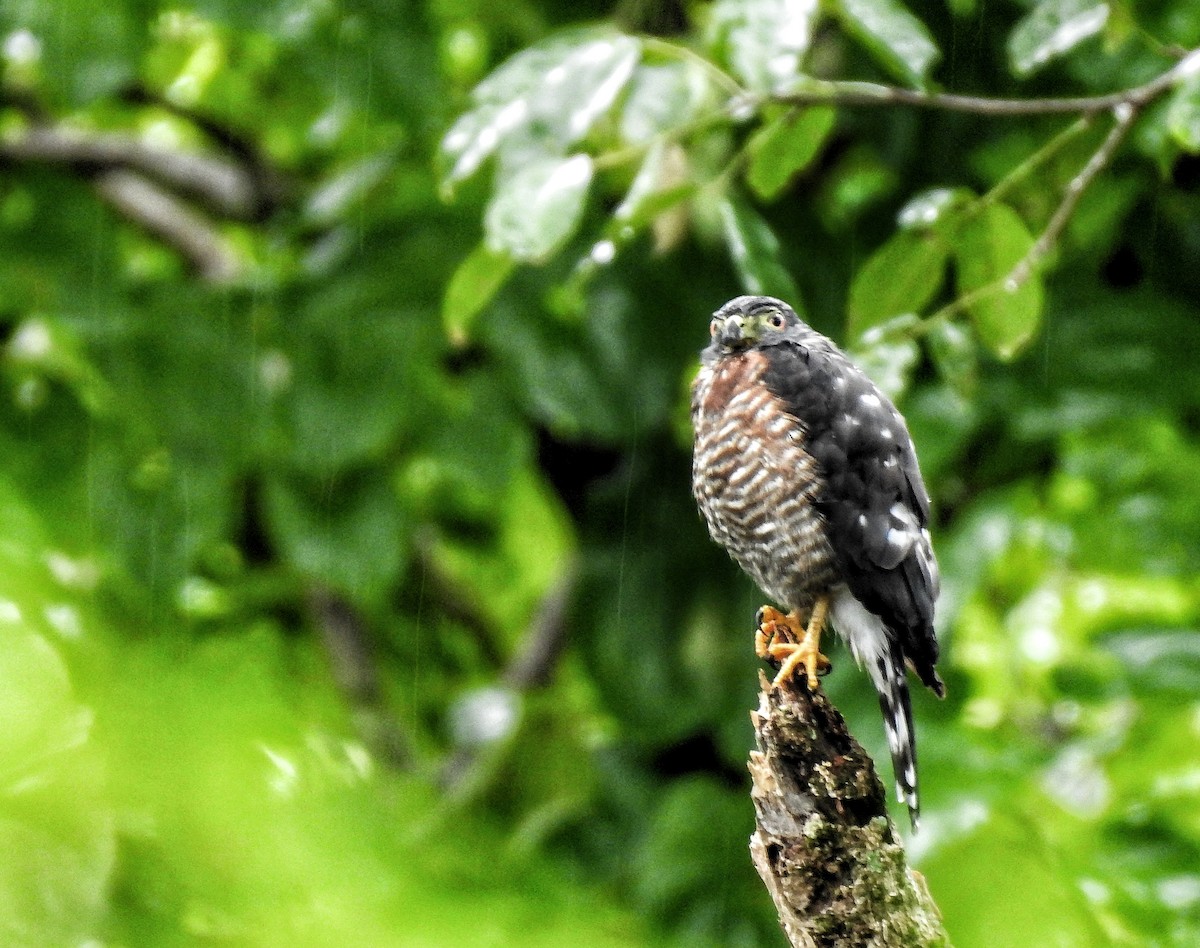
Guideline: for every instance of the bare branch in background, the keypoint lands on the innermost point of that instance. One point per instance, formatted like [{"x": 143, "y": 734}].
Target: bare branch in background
[
  {"x": 174, "y": 222},
  {"x": 544, "y": 641},
  {"x": 221, "y": 186},
  {"x": 176, "y": 195},
  {"x": 855, "y": 94},
  {"x": 347, "y": 642},
  {"x": 486, "y": 717}
]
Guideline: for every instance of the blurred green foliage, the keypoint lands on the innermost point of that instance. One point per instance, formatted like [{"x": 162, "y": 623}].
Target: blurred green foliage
[{"x": 281, "y": 541}]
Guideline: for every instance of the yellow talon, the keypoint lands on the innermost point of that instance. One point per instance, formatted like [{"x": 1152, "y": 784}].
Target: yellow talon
[{"x": 787, "y": 640}]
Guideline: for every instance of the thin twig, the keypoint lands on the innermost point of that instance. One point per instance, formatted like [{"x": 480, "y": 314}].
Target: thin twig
[
  {"x": 682, "y": 53},
  {"x": 1125, "y": 113},
  {"x": 177, "y": 224},
  {"x": 542, "y": 645},
  {"x": 869, "y": 94},
  {"x": 347, "y": 642},
  {"x": 220, "y": 186},
  {"x": 1036, "y": 160}
]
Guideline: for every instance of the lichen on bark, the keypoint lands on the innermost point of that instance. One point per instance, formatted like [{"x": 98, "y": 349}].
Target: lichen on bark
[{"x": 823, "y": 843}]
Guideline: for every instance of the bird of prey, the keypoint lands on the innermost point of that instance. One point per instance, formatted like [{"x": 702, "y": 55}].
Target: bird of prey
[{"x": 806, "y": 474}]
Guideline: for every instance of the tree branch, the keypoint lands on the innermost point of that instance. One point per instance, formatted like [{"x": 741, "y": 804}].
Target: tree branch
[
  {"x": 220, "y": 186},
  {"x": 1024, "y": 268},
  {"x": 823, "y": 843},
  {"x": 1124, "y": 114},
  {"x": 175, "y": 223},
  {"x": 542, "y": 645},
  {"x": 347, "y": 642},
  {"x": 851, "y": 94}
]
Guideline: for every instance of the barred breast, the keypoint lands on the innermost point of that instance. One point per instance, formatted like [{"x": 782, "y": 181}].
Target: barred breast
[{"x": 755, "y": 483}]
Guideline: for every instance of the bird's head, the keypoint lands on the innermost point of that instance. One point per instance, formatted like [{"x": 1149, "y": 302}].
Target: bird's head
[{"x": 752, "y": 321}]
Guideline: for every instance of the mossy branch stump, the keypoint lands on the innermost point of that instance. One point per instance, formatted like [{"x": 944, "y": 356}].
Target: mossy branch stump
[{"x": 823, "y": 843}]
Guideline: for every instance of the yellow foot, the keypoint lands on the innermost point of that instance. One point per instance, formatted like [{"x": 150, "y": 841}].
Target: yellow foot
[{"x": 789, "y": 641}]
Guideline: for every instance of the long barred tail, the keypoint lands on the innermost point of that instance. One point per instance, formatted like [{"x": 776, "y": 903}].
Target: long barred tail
[
  {"x": 879, "y": 651},
  {"x": 890, "y": 677}
]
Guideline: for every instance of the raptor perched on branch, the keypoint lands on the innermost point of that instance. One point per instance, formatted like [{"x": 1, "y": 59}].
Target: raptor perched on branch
[{"x": 806, "y": 473}]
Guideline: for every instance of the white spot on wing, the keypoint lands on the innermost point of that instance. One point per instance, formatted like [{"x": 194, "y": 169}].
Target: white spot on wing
[
  {"x": 870, "y": 399},
  {"x": 901, "y": 541}
]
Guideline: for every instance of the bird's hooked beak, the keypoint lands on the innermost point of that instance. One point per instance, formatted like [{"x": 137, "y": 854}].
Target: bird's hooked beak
[{"x": 730, "y": 331}]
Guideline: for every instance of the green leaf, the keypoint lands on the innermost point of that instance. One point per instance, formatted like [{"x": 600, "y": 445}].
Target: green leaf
[
  {"x": 1183, "y": 116},
  {"x": 1045, "y": 907},
  {"x": 1052, "y": 28},
  {"x": 348, "y": 362},
  {"x": 57, "y": 828},
  {"x": 953, "y": 349},
  {"x": 661, "y": 182},
  {"x": 858, "y": 180},
  {"x": 347, "y": 534},
  {"x": 762, "y": 41},
  {"x": 900, "y": 277},
  {"x": 547, "y": 97},
  {"x": 933, "y": 208},
  {"x": 897, "y": 39},
  {"x": 682, "y": 854},
  {"x": 986, "y": 250},
  {"x": 890, "y": 360},
  {"x": 783, "y": 148},
  {"x": 755, "y": 252},
  {"x": 532, "y": 544},
  {"x": 477, "y": 279},
  {"x": 537, "y": 208},
  {"x": 662, "y": 96}
]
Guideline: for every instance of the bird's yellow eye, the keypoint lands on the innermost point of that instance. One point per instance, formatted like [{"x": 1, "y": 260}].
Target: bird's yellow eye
[{"x": 776, "y": 320}]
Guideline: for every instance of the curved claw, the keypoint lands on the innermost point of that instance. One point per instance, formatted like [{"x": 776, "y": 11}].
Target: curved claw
[
  {"x": 786, "y": 639},
  {"x": 773, "y": 628},
  {"x": 795, "y": 657}
]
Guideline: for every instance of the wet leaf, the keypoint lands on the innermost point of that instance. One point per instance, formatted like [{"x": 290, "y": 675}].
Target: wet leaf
[
  {"x": 902, "y": 276},
  {"x": 550, "y": 94},
  {"x": 987, "y": 249},
  {"x": 537, "y": 208},
  {"x": 762, "y": 41},
  {"x": 932, "y": 208},
  {"x": 889, "y": 362},
  {"x": 659, "y": 187},
  {"x": 1051, "y": 29},
  {"x": 896, "y": 38},
  {"x": 478, "y": 278},
  {"x": 345, "y": 535},
  {"x": 954, "y": 351},
  {"x": 1183, "y": 116},
  {"x": 785, "y": 147},
  {"x": 755, "y": 252},
  {"x": 662, "y": 96},
  {"x": 660, "y": 183}
]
